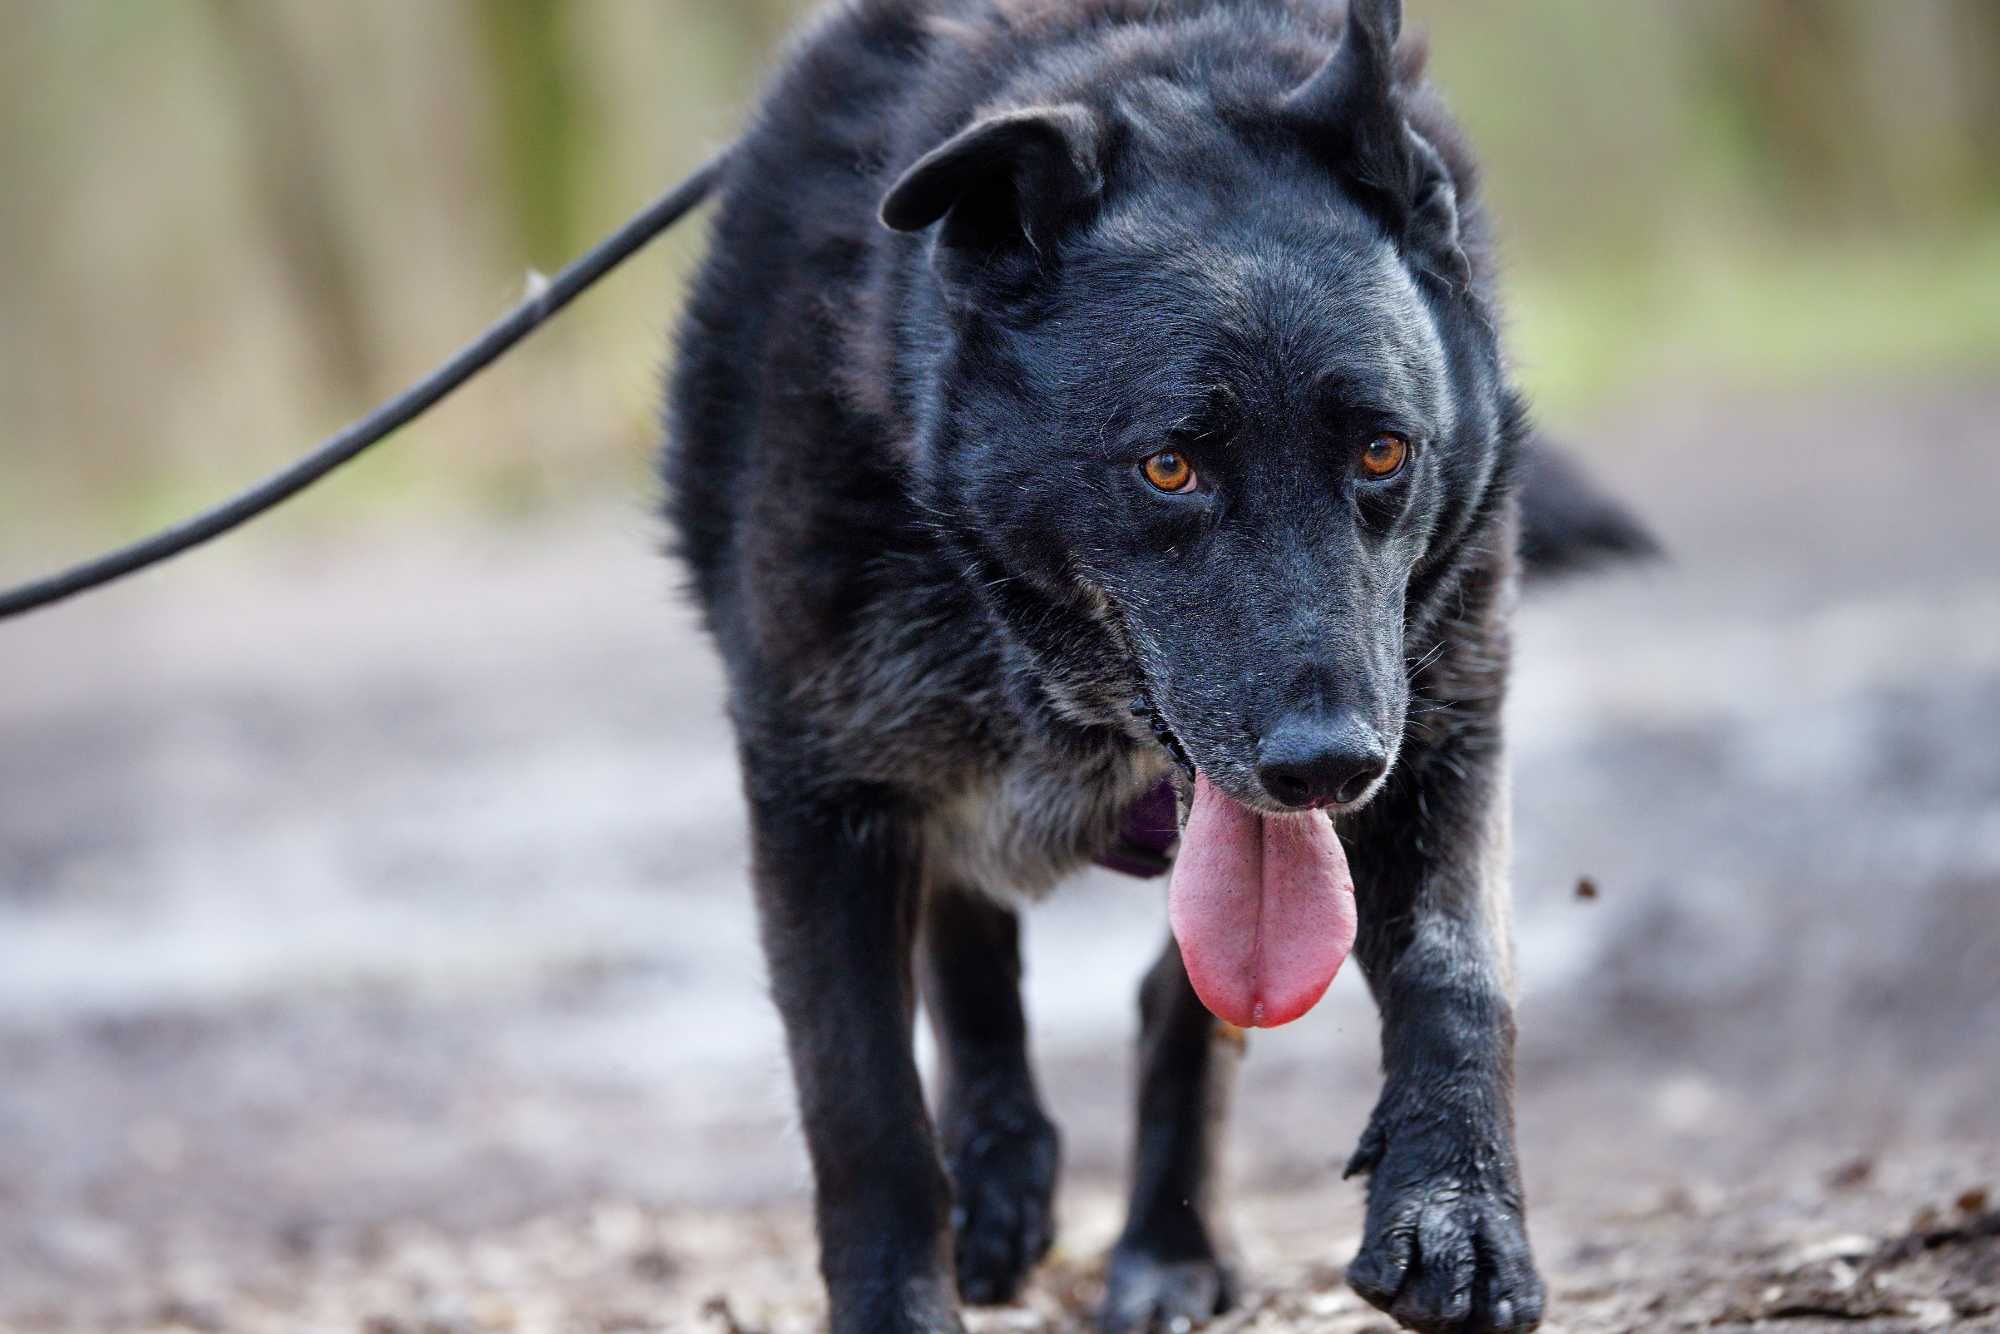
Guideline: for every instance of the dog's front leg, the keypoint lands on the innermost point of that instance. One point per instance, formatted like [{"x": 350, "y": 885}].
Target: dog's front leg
[
  {"x": 838, "y": 892},
  {"x": 1445, "y": 1246},
  {"x": 1001, "y": 1149}
]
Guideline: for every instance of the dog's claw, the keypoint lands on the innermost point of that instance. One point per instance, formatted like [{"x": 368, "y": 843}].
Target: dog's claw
[
  {"x": 1449, "y": 1260},
  {"x": 915, "y": 1306},
  {"x": 1003, "y": 1175},
  {"x": 1144, "y": 1293}
]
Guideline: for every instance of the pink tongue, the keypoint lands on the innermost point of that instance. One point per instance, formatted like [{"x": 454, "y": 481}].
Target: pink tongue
[{"x": 1263, "y": 908}]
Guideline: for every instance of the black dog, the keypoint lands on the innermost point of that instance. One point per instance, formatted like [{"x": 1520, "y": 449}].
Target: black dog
[{"x": 1157, "y": 457}]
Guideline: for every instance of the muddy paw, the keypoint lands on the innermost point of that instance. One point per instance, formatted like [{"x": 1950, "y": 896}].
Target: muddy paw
[
  {"x": 1144, "y": 1293},
  {"x": 1449, "y": 1260},
  {"x": 1003, "y": 1175}
]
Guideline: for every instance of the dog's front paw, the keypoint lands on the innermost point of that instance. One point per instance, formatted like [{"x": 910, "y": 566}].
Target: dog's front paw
[
  {"x": 1441, "y": 1255},
  {"x": 1144, "y": 1292},
  {"x": 1003, "y": 1160},
  {"x": 921, "y": 1305}
]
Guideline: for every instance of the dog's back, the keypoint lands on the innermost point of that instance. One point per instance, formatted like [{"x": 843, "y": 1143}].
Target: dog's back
[{"x": 794, "y": 231}]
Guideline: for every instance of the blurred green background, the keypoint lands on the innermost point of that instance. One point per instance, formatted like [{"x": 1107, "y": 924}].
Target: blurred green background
[{"x": 230, "y": 225}]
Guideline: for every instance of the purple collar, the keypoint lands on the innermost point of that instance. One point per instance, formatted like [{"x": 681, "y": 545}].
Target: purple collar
[{"x": 1151, "y": 827}]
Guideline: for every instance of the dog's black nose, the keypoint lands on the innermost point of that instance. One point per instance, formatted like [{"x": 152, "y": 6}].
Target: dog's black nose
[{"x": 1318, "y": 761}]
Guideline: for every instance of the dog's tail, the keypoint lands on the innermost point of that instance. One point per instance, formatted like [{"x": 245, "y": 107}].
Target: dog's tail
[{"x": 1570, "y": 524}]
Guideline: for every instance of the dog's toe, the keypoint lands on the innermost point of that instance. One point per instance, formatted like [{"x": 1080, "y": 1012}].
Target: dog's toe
[
  {"x": 1144, "y": 1292},
  {"x": 1456, "y": 1264}
]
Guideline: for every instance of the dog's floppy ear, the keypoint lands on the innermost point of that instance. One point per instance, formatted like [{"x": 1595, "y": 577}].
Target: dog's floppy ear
[
  {"x": 1351, "y": 113},
  {"x": 1005, "y": 187}
]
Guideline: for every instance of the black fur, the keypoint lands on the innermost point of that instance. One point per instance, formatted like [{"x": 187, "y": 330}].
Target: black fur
[
  {"x": 975, "y": 261},
  {"x": 1568, "y": 524}
]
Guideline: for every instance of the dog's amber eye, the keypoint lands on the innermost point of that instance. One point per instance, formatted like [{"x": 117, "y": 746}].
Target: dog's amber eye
[
  {"x": 1385, "y": 456},
  {"x": 1170, "y": 472}
]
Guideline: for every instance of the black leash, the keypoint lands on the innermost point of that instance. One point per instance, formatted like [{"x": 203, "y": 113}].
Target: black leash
[{"x": 398, "y": 412}]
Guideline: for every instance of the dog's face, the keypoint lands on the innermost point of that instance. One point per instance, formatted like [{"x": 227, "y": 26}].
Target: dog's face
[{"x": 1204, "y": 390}]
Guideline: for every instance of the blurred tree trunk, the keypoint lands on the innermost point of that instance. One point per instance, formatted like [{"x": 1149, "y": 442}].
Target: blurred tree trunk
[
  {"x": 1978, "y": 37},
  {"x": 1854, "y": 107},
  {"x": 537, "y": 111},
  {"x": 294, "y": 182}
]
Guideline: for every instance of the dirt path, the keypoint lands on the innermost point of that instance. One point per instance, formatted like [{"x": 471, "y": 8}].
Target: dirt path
[{"x": 373, "y": 945}]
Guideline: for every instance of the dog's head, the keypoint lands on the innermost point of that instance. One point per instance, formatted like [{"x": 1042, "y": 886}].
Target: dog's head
[{"x": 1217, "y": 370}]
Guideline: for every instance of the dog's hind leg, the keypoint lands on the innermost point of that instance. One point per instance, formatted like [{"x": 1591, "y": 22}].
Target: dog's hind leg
[
  {"x": 838, "y": 894},
  {"x": 1166, "y": 1267},
  {"x": 1001, "y": 1150}
]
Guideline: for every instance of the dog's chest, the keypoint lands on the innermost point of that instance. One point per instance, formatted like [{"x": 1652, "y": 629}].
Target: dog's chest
[{"x": 1025, "y": 826}]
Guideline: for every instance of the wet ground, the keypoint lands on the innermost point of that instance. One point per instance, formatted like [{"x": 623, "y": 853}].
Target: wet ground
[{"x": 374, "y": 953}]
